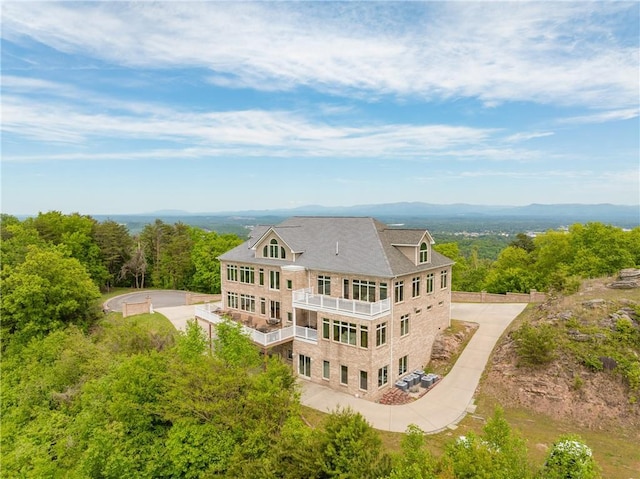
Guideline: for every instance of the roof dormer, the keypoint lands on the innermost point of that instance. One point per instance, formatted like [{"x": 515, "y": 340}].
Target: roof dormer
[
  {"x": 416, "y": 249},
  {"x": 271, "y": 246}
]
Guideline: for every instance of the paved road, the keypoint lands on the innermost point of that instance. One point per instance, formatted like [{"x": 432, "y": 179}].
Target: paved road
[
  {"x": 159, "y": 299},
  {"x": 449, "y": 401}
]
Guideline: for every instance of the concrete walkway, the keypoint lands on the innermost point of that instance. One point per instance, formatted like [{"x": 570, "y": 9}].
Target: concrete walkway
[
  {"x": 448, "y": 402},
  {"x": 178, "y": 315}
]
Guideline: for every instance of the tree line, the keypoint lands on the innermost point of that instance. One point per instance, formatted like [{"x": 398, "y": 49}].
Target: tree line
[
  {"x": 162, "y": 255},
  {"x": 178, "y": 256},
  {"x": 551, "y": 261}
]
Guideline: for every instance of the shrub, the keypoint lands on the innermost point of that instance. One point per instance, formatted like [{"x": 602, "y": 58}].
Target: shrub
[
  {"x": 535, "y": 345},
  {"x": 570, "y": 458}
]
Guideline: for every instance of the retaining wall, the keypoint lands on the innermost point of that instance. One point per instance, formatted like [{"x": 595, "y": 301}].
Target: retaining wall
[
  {"x": 484, "y": 297},
  {"x": 195, "y": 298},
  {"x": 131, "y": 309}
]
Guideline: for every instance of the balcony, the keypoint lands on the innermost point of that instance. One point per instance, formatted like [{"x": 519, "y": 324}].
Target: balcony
[
  {"x": 305, "y": 299},
  {"x": 270, "y": 338}
]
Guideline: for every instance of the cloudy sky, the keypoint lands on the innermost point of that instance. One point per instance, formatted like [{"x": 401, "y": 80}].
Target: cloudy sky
[{"x": 111, "y": 107}]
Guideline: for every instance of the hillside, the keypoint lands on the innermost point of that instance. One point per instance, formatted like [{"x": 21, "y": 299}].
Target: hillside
[{"x": 594, "y": 361}]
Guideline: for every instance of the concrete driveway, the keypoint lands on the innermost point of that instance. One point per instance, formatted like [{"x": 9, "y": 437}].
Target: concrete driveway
[{"x": 449, "y": 401}]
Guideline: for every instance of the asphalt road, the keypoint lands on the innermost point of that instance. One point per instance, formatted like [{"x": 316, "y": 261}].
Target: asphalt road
[{"x": 159, "y": 299}]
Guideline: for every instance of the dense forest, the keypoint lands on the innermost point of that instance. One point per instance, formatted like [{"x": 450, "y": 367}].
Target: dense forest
[{"x": 91, "y": 395}]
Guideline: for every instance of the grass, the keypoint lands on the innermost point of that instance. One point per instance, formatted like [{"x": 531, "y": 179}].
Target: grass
[{"x": 152, "y": 322}]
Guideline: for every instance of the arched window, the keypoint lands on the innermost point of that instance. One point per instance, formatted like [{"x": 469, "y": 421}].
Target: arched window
[
  {"x": 424, "y": 253},
  {"x": 283, "y": 255},
  {"x": 265, "y": 251},
  {"x": 273, "y": 249}
]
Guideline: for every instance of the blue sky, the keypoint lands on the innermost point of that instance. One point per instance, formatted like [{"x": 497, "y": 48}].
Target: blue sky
[{"x": 112, "y": 107}]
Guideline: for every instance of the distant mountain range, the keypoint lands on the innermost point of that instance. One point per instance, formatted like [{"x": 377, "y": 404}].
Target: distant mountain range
[{"x": 570, "y": 212}]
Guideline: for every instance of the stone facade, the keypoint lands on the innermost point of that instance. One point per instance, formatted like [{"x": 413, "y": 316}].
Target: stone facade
[{"x": 349, "y": 350}]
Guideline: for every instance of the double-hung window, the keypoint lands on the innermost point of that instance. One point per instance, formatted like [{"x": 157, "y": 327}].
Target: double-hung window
[
  {"x": 381, "y": 334},
  {"x": 232, "y": 272},
  {"x": 324, "y": 285},
  {"x": 404, "y": 325},
  {"x": 344, "y": 374},
  {"x": 383, "y": 376},
  {"x": 274, "y": 279},
  {"x": 399, "y": 290},
  {"x": 415, "y": 287},
  {"x": 403, "y": 364},
  {"x": 443, "y": 279},
  {"x": 430, "y": 279}
]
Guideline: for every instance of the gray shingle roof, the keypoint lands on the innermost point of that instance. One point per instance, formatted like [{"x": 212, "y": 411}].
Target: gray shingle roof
[{"x": 364, "y": 246}]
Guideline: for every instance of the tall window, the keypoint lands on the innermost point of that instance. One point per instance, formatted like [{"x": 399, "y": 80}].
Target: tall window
[
  {"x": 364, "y": 380},
  {"x": 263, "y": 306},
  {"x": 403, "y": 364},
  {"x": 430, "y": 277},
  {"x": 399, "y": 290},
  {"x": 274, "y": 279},
  {"x": 424, "y": 253},
  {"x": 383, "y": 291},
  {"x": 443, "y": 279},
  {"x": 304, "y": 365},
  {"x": 364, "y": 290},
  {"x": 415, "y": 287},
  {"x": 404, "y": 325},
  {"x": 324, "y": 285},
  {"x": 345, "y": 289},
  {"x": 247, "y": 274},
  {"x": 344, "y": 374},
  {"x": 232, "y": 272},
  {"x": 261, "y": 276},
  {"x": 274, "y": 249},
  {"x": 364, "y": 336},
  {"x": 274, "y": 310},
  {"x": 326, "y": 369},
  {"x": 344, "y": 332},
  {"x": 248, "y": 303},
  {"x": 326, "y": 328},
  {"x": 381, "y": 334},
  {"x": 383, "y": 376},
  {"x": 232, "y": 300}
]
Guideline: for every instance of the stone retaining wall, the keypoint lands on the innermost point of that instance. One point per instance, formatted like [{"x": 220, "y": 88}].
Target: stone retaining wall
[
  {"x": 131, "y": 309},
  {"x": 484, "y": 297},
  {"x": 196, "y": 298}
]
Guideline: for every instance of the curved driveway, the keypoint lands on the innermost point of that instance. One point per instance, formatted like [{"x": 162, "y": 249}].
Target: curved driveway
[
  {"x": 159, "y": 299},
  {"x": 449, "y": 401}
]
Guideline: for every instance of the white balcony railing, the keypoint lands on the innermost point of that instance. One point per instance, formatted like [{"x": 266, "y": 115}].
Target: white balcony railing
[
  {"x": 264, "y": 339},
  {"x": 305, "y": 299}
]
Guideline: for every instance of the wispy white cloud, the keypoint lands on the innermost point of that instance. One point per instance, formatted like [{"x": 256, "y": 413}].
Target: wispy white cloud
[
  {"x": 602, "y": 117},
  {"x": 571, "y": 54},
  {"x": 525, "y": 136},
  {"x": 55, "y": 119}
]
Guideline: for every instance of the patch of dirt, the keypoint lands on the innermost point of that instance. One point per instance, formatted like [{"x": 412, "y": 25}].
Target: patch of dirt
[
  {"x": 449, "y": 344},
  {"x": 565, "y": 389}
]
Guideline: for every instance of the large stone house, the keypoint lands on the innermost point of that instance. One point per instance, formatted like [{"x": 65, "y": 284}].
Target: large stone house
[{"x": 350, "y": 302}]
